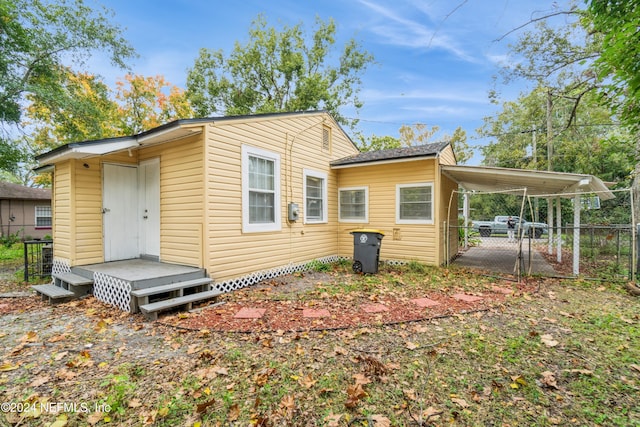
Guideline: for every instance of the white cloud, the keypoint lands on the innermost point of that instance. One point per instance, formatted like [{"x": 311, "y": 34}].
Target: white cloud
[{"x": 398, "y": 30}]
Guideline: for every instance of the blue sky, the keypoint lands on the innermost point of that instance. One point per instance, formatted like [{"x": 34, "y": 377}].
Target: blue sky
[{"x": 434, "y": 58}]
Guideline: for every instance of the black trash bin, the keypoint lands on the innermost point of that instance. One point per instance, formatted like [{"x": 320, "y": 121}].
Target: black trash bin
[{"x": 366, "y": 250}]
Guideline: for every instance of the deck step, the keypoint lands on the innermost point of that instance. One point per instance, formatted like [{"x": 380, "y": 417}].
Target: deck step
[
  {"x": 53, "y": 293},
  {"x": 170, "y": 287},
  {"x": 73, "y": 279},
  {"x": 151, "y": 310},
  {"x": 75, "y": 283}
]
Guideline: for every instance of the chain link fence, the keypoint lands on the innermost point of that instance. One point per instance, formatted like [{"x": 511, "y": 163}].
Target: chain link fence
[{"x": 511, "y": 235}]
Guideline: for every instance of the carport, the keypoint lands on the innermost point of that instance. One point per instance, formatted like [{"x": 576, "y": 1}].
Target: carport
[{"x": 551, "y": 186}]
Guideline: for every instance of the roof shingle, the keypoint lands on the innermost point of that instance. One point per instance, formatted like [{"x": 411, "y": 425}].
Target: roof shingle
[
  {"x": 9, "y": 190},
  {"x": 427, "y": 150}
]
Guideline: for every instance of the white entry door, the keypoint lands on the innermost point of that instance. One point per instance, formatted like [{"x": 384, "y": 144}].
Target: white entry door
[
  {"x": 149, "y": 208},
  {"x": 119, "y": 212}
]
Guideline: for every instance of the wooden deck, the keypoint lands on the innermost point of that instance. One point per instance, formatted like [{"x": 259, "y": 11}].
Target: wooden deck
[{"x": 130, "y": 284}]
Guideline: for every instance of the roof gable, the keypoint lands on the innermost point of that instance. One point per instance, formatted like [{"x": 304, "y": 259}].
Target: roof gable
[
  {"x": 164, "y": 133},
  {"x": 393, "y": 154}
]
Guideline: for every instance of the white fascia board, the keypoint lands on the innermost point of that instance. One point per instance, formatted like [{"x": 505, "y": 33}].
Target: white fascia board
[{"x": 87, "y": 150}]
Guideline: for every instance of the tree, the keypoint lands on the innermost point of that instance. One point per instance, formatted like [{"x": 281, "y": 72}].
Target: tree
[
  {"x": 618, "y": 67},
  {"x": 146, "y": 103},
  {"x": 279, "y": 71},
  {"x": 38, "y": 40},
  {"x": 593, "y": 144},
  {"x": 419, "y": 134},
  {"x": 139, "y": 103},
  {"x": 573, "y": 130}
]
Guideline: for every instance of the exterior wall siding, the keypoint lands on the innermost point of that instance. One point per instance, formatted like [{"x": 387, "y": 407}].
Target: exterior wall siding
[
  {"x": 298, "y": 142},
  {"x": 61, "y": 210},
  {"x": 181, "y": 199},
  {"x": 87, "y": 195},
  {"x": 402, "y": 241},
  {"x": 447, "y": 156},
  {"x": 24, "y": 222}
]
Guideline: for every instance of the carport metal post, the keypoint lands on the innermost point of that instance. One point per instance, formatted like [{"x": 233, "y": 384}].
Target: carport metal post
[
  {"x": 576, "y": 234},
  {"x": 559, "y": 232}
]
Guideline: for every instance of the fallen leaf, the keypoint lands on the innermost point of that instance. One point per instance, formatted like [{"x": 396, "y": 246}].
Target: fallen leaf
[
  {"x": 333, "y": 420},
  {"x": 60, "y": 356},
  {"x": 381, "y": 421},
  {"x": 548, "y": 340},
  {"x": 95, "y": 418},
  {"x": 411, "y": 346},
  {"x": 361, "y": 379},
  {"x": 61, "y": 421},
  {"x": 548, "y": 379},
  {"x": 410, "y": 394},
  {"x": 307, "y": 381},
  {"x": 57, "y": 338},
  {"x": 354, "y": 394},
  {"x": 460, "y": 402},
  {"x": 7, "y": 366},
  {"x": 202, "y": 407},
  {"x": 220, "y": 370},
  {"x": 288, "y": 405},
  {"x": 39, "y": 381},
  {"x": 135, "y": 403},
  {"x": 234, "y": 412},
  {"x": 30, "y": 337}
]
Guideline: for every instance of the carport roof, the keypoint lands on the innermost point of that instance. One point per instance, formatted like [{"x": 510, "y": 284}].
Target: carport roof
[{"x": 537, "y": 183}]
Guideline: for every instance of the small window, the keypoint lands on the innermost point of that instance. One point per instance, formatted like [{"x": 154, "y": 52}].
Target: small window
[
  {"x": 315, "y": 196},
  {"x": 260, "y": 190},
  {"x": 414, "y": 203},
  {"x": 326, "y": 138},
  {"x": 43, "y": 216},
  {"x": 353, "y": 204}
]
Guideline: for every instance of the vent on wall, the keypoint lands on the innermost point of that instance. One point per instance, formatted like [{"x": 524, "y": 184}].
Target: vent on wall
[{"x": 326, "y": 138}]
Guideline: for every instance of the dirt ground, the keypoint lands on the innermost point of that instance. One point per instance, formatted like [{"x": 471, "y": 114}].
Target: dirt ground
[{"x": 469, "y": 365}]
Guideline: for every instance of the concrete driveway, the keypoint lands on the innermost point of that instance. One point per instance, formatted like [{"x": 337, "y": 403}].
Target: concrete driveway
[{"x": 498, "y": 255}]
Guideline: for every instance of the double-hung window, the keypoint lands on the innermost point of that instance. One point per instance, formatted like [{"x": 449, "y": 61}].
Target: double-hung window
[
  {"x": 43, "y": 216},
  {"x": 260, "y": 190},
  {"x": 414, "y": 203},
  {"x": 353, "y": 204},
  {"x": 315, "y": 196}
]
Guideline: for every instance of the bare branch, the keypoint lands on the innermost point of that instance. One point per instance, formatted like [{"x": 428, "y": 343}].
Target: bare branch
[{"x": 534, "y": 20}]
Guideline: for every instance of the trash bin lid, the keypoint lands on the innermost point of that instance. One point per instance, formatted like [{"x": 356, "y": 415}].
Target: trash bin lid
[{"x": 367, "y": 230}]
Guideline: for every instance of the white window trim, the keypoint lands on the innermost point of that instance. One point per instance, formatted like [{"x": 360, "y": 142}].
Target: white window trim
[
  {"x": 364, "y": 220},
  {"x": 323, "y": 177},
  {"x": 36, "y": 216},
  {"x": 414, "y": 221},
  {"x": 268, "y": 155}
]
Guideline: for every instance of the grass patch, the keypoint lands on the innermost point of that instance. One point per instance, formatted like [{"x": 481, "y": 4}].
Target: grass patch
[
  {"x": 566, "y": 355},
  {"x": 13, "y": 252}
]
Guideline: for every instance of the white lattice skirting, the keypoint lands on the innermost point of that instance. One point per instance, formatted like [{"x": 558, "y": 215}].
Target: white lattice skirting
[
  {"x": 258, "y": 276},
  {"x": 112, "y": 290},
  {"x": 60, "y": 266}
]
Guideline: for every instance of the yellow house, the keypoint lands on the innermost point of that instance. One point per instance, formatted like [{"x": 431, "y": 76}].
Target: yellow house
[{"x": 242, "y": 199}]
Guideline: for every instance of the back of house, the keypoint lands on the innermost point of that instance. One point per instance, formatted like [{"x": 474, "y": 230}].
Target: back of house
[{"x": 246, "y": 198}]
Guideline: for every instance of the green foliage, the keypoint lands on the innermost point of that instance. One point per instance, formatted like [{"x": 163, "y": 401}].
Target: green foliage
[
  {"x": 38, "y": 37},
  {"x": 592, "y": 144},
  {"x": 11, "y": 249},
  {"x": 318, "y": 266},
  {"x": 618, "y": 67},
  {"x": 278, "y": 71}
]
